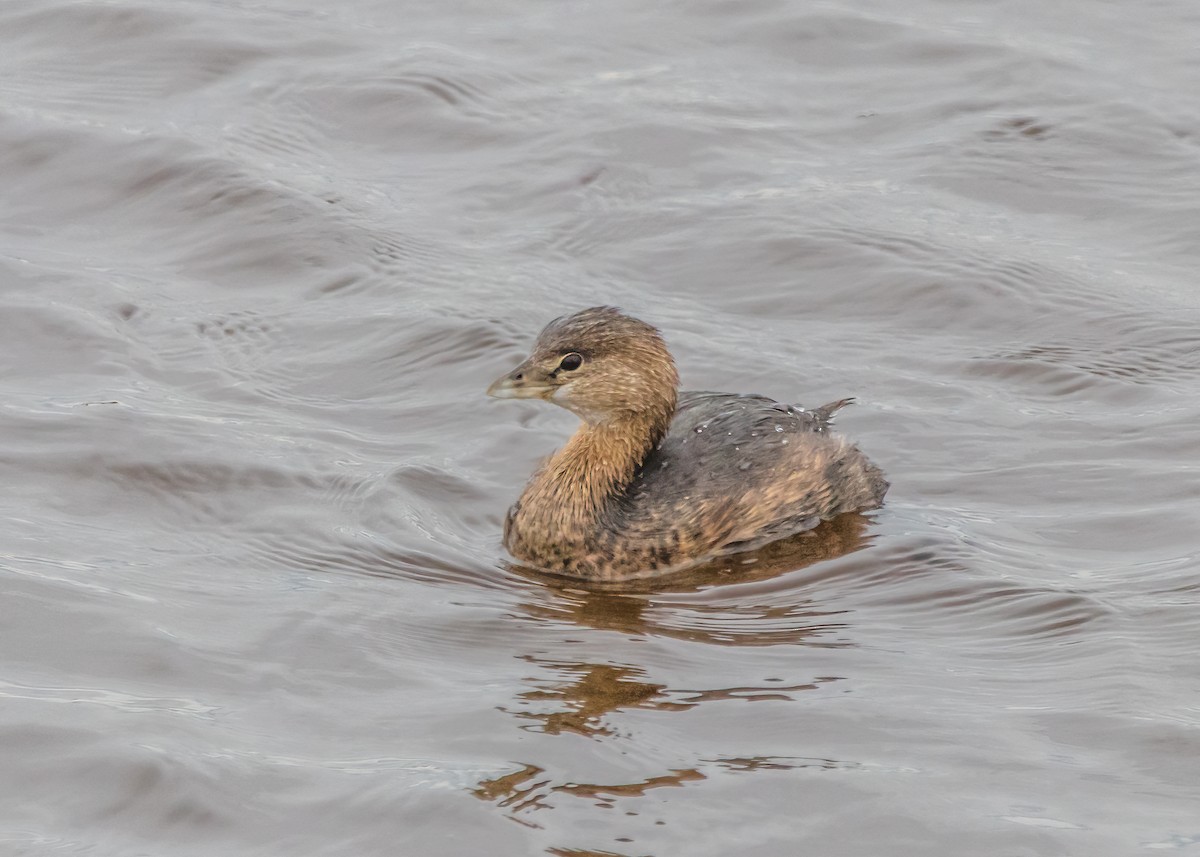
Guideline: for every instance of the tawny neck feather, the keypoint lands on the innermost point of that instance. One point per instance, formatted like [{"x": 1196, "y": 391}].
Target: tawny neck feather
[{"x": 568, "y": 496}]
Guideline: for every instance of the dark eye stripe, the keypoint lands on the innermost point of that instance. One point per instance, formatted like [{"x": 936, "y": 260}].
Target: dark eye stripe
[{"x": 571, "y": 362}]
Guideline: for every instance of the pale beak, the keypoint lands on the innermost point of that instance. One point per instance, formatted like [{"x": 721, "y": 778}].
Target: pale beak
[{"x": 518, "y": 384}]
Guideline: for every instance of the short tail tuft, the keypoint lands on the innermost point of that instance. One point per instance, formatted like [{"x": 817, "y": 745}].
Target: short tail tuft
[{"x": 825, "y": 412}]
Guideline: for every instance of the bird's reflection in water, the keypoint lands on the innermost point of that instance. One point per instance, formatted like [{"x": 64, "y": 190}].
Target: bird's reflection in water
[
  {"x": 585, "y": 698},
  {"x": 530, "y": 789},
  {"x": 580, "y": 703},
  {"x": 581, "y": 696}
]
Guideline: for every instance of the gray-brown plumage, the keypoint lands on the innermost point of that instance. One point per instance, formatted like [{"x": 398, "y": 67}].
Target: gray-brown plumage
[{"x": 655, "y": 480}]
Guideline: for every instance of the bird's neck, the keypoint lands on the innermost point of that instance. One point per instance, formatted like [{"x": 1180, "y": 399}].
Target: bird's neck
[{"x": 568, "y": 496}]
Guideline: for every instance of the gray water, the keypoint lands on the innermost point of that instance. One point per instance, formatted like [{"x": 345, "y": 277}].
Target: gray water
[{"x": 259, "y": 260}]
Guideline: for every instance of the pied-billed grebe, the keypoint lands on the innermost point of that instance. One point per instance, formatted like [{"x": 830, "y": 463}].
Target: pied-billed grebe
[{"x": 655, "y": 480}]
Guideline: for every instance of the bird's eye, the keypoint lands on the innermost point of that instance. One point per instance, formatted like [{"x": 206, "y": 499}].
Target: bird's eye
[{"x": 571, "y": 362}]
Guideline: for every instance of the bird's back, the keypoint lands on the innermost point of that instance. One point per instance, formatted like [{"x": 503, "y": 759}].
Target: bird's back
[{"x": 737, "y": 471}]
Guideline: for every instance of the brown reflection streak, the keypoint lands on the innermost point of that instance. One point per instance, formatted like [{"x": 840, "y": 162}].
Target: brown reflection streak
[
  {"x": 511, "y": 790},
  {"x": 748, "y": 764},
  {"x": 674, "y": 780},
  {"x": 742, "y": 625},
  {"x": 754, "y": 694},
  {"x": 599, "y": 689},
  {"x": 515, "y": 791},
  {"x": 604, "y": 688}
]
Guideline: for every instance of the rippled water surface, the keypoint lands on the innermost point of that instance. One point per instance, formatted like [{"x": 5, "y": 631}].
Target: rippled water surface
[{"x": 259, "y": 260}]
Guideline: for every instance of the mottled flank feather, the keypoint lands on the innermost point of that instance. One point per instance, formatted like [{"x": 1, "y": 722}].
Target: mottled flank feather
[{"x": 655, "y": 480}]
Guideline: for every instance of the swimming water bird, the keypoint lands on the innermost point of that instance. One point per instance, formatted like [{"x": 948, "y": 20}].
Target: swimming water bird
[{"x": 655, "y": 480}]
